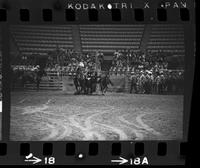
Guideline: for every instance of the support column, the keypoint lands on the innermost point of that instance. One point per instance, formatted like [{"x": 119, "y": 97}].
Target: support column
[
  {"x": 145, "y": 38},
  {"x": 14, "y": 49},
  {"x": 76, "y": 38}
]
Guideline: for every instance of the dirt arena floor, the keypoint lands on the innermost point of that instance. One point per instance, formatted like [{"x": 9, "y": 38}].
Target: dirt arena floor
[{"x": 57, "y": 116}]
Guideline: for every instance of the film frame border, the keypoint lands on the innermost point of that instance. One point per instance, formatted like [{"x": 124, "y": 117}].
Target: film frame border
[
  {"x": 55, "y": 12},
  {"x": 170, "y": 144}
]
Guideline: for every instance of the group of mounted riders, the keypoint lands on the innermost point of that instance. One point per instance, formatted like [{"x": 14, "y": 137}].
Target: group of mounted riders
[{"x": 88, "y": 82}]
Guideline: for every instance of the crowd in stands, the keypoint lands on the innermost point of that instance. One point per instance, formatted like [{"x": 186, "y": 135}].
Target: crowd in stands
[
  {"x": 68, "y": 61},
  {"x": 61, "y": 60},
  {"x": 69, "y": 58},
  {"x": 129, "y": 60}
]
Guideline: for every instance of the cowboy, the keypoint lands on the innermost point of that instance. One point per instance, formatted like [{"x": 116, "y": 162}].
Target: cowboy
[
  {"x": 133, "y": 80},
  {"x": 81, "y": 64},
  {"x": 147, "y": 83},
  {"x": 142, "y": 80}
]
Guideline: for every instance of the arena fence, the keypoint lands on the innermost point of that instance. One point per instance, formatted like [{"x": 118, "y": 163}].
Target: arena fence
[
  {"x": 120, "y": 84},
  {"x": 56, "y": 82},
  {"x": 63, "y": 81},
  {"x": 46, "y": 85}
]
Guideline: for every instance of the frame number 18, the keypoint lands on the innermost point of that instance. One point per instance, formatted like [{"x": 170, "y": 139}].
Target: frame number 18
[{"x": 49, "y": 160}]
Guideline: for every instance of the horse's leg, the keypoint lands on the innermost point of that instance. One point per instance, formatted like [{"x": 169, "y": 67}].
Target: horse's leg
[
  {"x": 85, "y": 87},
  {"x": 102, "y": 88},
  {"x": 86, "y": 90},
  {"x": 94, "y": 87},
  {"x": 90, "y": 87},
  {"x": 22, "y": 83},
  {"x": 38, "y": 85},
  {"x": 105, "y": 89},
  {"x": 79, "y": 86},
  {"x": 76, "y": 86},
  {"x": 82, "y": 87},
  {"x": 76, "y": 89}
]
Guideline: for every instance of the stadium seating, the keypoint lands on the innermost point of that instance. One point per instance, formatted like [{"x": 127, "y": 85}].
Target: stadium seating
[
  {"x": 108, "y": 38},
  {"x": 41, "y": 39},
  {"x": 168, "y": 38}
]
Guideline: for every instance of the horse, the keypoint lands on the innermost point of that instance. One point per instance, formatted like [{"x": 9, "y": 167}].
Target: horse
[
  {"x": 76, "y": 84},
  {"x": 80, "y": 82},
  {"x": 91, "y": 82},
  {"x": 24, "y": 77},
  {"x": 15, "y": 77},
  {"x": 87, "y": 83},
  {"x": 104, "y": 82},
  {"x": 28, "y": 77}
]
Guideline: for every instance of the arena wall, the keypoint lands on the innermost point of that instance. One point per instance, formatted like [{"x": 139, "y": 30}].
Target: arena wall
[
  {"x": 68, "y": 84},
  {"x": 119, "y": 83}
]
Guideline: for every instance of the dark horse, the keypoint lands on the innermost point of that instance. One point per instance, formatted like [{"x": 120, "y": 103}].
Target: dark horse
[
  {"x": 85, "y": 84},
  {"x": 79, "y": 82},
  {"x": 23, "y": 77},
  {"x": 91, "y": 81},
  {"x": 104, "y": 82}
]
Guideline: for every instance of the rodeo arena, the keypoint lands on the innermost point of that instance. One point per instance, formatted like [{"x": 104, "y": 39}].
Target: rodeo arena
[{"x": 97, "y": 82}]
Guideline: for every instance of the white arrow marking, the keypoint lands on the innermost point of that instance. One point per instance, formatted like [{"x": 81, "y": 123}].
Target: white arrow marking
[
  {"x": 34, "y": 160},
  {"x": 121, "y": 161}
]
